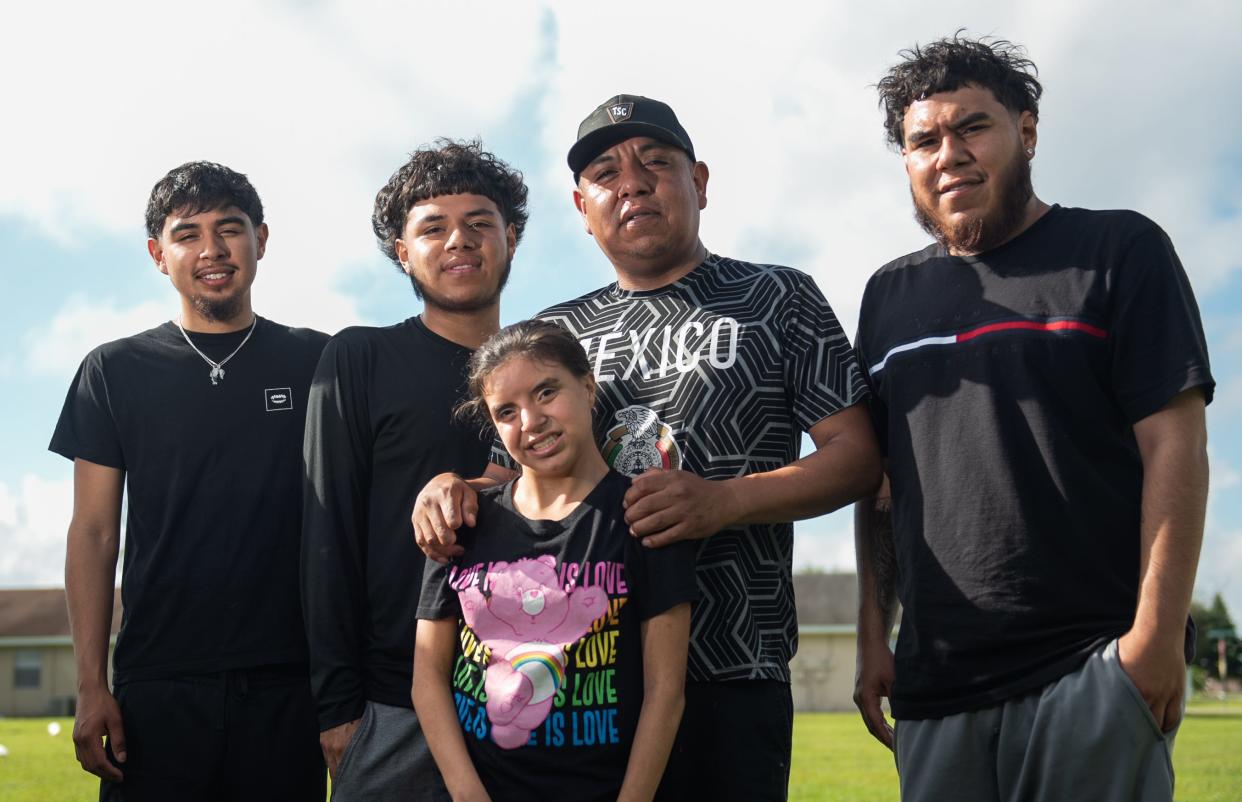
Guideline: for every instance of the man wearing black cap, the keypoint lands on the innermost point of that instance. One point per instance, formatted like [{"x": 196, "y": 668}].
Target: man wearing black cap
[{"x": 709, "y": 369}]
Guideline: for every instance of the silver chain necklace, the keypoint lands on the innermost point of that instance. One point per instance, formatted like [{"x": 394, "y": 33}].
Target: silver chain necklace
[{"x": 217, "y": 368}]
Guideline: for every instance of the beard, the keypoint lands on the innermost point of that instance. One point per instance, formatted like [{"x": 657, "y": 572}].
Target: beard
[
  {"x": 481, "y": 301},
  {"x": 218, "y": 310},
  {"x": 995, "y": 226}
]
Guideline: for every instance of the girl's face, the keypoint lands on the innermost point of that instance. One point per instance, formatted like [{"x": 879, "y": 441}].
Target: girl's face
[{"x": 542, "y": 413}]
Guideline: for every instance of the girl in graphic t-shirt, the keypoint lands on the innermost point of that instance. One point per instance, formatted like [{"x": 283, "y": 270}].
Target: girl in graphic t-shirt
[{"x": 551, "y": 655}]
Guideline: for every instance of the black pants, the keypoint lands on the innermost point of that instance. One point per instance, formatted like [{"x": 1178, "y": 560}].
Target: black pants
[
  {"x": 237, "y": 735},
  {"x": 734, "y": 743}
]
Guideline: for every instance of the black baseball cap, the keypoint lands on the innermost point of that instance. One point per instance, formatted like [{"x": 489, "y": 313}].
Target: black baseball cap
[{"x": 621, "y": 117}]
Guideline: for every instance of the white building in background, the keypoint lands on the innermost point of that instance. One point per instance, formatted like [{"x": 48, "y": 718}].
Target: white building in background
[
  {"x": 37, "y": 672},
  {"x": 823, "y": 669},
  {"x": 38, "y": 677}
]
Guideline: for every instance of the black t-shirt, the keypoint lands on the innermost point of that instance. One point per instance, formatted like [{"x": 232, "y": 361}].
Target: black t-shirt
[
  {"x": 1005, "y": 390},
  {"x": 569, "y": 597},
  {"x": 719, "y": 373},
  {"x": 379, "y": 426},
  {"x": 213, "y": 475}
]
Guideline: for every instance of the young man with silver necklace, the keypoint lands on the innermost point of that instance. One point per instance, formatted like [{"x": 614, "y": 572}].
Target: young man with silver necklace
[{"x": 210, "y": 696}]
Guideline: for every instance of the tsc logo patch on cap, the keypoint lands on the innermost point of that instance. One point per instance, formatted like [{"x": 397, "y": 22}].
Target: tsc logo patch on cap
[
  {"x": 620, "y": 112},
  {"x": 619, "y": 118},
  {"x": 278, "y": 399}
]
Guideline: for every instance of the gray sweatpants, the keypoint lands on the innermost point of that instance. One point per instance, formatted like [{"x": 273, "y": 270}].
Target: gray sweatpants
[
  {"x": 388, "y": 758},
  {"x": 1087, "y": 736}
]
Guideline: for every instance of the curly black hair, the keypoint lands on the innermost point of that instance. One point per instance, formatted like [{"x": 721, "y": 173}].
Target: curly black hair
[
  {"x": 197, "y": 187},
  {"x": 446, "y": 168},
  {"x": 951, "y": 63}
]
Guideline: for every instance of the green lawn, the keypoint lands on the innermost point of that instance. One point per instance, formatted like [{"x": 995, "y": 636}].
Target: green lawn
[{"x": 834, "y": 760}]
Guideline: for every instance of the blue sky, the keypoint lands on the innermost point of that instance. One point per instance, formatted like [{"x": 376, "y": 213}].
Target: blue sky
[{"x": 319, "y": 101}]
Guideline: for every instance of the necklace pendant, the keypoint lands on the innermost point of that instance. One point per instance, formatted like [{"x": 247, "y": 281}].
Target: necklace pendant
[{"x": 217, "y": 368}]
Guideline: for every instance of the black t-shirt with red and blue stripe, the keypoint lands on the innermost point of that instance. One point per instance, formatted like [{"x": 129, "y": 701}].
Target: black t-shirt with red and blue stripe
[{"x": 1005, "y": 390}]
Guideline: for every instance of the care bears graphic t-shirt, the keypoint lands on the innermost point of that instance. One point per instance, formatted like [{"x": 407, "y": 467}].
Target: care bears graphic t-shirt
[
  {"x": 569, "y": 734},
  {"x": 719, "y": 373}
]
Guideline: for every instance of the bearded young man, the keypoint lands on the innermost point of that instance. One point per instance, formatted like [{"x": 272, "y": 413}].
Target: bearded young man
[
  {"x": 199, "y": 422},
  {"x": 1039, "y": 377},
  {"x": 709, "y": 369},
  {"x": 380, "y": 425}
]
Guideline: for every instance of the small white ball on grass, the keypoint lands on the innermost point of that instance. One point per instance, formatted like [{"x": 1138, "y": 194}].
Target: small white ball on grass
[
  {"x": 4, "y": 751},
  {"x": 53, "y": 728}
]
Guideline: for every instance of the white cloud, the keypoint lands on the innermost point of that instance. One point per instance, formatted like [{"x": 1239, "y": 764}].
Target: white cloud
[
  {"x": 825, "y": 543},
  {"x": 1220, "y": 568},
  {"x": 1224, "y": 475},
  {"x": 1220, "y": 562},
  {"x": 1233, "y": 338},
  {"x": 780, "y": 106},
  {"x": 1227, "y": 401},
  {"x": 1135, "y": 114},
  {"x": 317, "y": 103},
  {"x": 57, "y": 348},
  {"x": 34, "y": 519}
]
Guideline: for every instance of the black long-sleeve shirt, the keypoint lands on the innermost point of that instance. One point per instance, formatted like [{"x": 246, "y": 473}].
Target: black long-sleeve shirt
[{"x": 379, "y": 425}]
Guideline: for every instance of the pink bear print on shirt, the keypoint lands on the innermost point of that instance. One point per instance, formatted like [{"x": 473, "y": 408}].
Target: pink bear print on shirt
[{"x": 527, "y": 620}]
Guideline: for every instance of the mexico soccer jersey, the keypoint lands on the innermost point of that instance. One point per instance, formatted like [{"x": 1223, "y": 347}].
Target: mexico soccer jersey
[{"x": 718, "y": 373}]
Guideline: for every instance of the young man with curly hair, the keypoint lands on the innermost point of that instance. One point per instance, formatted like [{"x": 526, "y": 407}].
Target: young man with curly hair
[
  {"x": 380, "y": 425},
  {"x": 1039, "y": 376},
  {"x": 198, "y": 422}
]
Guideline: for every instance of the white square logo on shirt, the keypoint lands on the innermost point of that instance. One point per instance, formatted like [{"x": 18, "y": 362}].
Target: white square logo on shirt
[{"x": 278, "y": 399}]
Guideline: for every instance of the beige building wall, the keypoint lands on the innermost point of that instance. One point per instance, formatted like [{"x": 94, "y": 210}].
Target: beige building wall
[
  {"x": 822, "y": 674},
  {"x": 57, "y": 687},
  {"x": 822, "y": 671}
]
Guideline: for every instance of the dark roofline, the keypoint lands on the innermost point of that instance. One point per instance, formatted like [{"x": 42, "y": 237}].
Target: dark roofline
[{"x": 41, "y": 615}]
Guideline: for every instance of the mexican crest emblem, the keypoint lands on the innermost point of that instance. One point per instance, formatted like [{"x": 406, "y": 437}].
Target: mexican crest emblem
[{"x": 639, "y": 441}]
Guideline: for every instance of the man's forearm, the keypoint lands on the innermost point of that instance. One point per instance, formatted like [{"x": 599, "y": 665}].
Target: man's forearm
[
  {"x": 90, "y": 576},
  {"x": 1173, "y": 446},
  {"x": 877, "y": 601},
  {"x": 666, "y": 506},
  {"x": 845, "y": 466},
  {"x": 877, "y": 566},
  {"x": 1174, "y": 503},
  {"x": 492, "y": 475}
]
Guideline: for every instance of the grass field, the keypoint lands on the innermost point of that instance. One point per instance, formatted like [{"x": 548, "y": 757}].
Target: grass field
[{"x": 834, "y": 760}]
